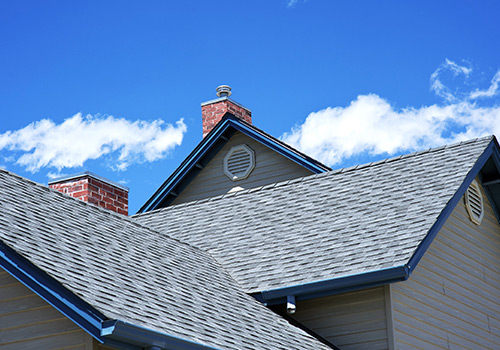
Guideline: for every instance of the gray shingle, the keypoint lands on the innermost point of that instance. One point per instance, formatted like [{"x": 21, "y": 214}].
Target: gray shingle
[
  {"x": 134, "y": 274},
  {"x": 325, "y": 226}
]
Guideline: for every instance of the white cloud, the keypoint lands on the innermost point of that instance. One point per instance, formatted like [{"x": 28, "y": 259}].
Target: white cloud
[
  {"x": 78, "y": 139},
  {"x": 441, "y": 89},
  {"x": 370, "y": 125},
  {"x": 51, "y": 175},
  {"x": 492, "y": 90}
]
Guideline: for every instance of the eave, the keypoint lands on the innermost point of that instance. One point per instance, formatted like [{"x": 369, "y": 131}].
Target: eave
[
  {"x": 115, "y": 333},
  {"x": 487, "y": 167}
]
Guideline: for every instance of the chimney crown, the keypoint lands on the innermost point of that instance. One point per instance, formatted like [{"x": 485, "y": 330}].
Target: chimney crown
[
  {"x": 213, "y": 111},
  {"x": 94, "y": 189}
]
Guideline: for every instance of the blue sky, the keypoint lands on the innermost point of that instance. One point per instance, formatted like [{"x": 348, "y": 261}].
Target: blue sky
[{"x": 115, "y": 87}]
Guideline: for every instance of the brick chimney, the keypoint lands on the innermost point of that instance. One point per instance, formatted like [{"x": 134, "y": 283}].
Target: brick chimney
[
  {"x": 213, "y": 111},
  {"x": 94, "y": 189}
]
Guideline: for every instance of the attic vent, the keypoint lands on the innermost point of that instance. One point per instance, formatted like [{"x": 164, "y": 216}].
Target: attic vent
[
  {"x": 474, "y": 203},
  {"x": 239, "y": 162}
]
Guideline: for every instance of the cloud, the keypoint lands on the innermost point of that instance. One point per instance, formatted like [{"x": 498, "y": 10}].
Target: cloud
[
  {"x": 370, "y": 125},
  {"x": 453, "y": 70},
  {"x": 78, "y": 139},
  {"x": 492, "y": 90}
]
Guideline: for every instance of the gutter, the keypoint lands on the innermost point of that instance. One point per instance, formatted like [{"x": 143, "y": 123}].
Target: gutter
[
  {"x": 116, "y": 332},
  {"x": 113, "y": 333},
  {"x": 334, "y": 286}
]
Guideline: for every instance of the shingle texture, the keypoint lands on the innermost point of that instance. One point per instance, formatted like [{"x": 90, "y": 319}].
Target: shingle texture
[
  {"x": 131, "y": 273},
  {"x": 325, "y": 226}
]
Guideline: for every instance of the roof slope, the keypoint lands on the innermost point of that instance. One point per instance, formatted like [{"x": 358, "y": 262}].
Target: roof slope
[
  {"x": 326, "y": 226},
  {"x": 131, "y": 273}
]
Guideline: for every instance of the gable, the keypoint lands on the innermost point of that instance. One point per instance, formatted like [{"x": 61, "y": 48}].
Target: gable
[
  {"x": 270, "y": 167},
  {"x": 452, "y": 298},
  {"x": 209, "y": 147},
  {"x": 29, "y": 322}
]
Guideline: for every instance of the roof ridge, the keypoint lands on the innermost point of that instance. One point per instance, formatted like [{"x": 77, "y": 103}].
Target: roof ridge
[{"x": 314, "y": 176}]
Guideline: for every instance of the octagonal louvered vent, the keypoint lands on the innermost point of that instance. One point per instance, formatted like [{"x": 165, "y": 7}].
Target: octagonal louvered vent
[
  {"x": 474, "y": 203},
  {"x": 239, "y": 162}
]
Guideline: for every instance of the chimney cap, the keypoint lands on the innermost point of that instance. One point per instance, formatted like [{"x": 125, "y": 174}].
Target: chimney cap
[{"x": 223, "y": 90}]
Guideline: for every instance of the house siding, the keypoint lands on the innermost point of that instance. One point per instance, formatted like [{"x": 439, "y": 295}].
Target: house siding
[
  {"x": 270, "y": 167},
  {"x": 452, "y": 299},
  {"x": 351, "y": 321},
  {"x": 29, "y": 322}
]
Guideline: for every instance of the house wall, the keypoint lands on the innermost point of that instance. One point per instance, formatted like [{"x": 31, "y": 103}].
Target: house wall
[
  {"x": 452, "y": 299},
  {"x": 270, "y": 167},
  {"x": 29, "y": 322},
  {"x": 355, "y": 320}
]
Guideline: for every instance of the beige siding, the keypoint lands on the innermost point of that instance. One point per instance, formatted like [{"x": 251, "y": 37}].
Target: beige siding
[
  {"x": 354, "y": 320},
  {"x": 270, "y": 167},
  {"x": 452, "y": 299},
  {"x": 28, "y": 322}
]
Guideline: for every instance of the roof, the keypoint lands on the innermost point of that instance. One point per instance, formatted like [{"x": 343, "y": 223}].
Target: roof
[
  {"x": 326, "y": 233},
  {"x": 121, "y": 281},
  {"x": 207, "y": 149}
]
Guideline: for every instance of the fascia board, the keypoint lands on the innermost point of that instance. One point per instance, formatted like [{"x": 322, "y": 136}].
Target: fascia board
[
  {"x": 384, "y": 276},
  {"x": 184, "y": 168},
  {"x": 284, "y": 151},
  {"x": 333, "y": 286},
  {"x": 205, "y": 146},
  {"x": 51, "y": 291},
  {"x": 125, "y": 333},
  {"x": 490, "y": 150}
]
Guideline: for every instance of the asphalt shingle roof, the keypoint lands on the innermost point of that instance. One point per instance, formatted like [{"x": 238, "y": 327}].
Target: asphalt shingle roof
[
  {"x": 131, "y": 273},
  {"x": 325, "y": 226}
]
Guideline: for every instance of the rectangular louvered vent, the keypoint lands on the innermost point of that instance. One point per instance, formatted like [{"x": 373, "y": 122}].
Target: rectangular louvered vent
[
  {"x": 474, "y": 203},
  {"x": 239, "y": 162}
]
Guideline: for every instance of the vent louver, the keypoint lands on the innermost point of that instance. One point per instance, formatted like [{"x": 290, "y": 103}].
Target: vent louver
[
  {"x": 474, "y": 203},
  {"x": 239, "y": 162}
]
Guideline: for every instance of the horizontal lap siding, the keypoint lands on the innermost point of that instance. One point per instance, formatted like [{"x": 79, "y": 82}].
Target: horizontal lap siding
[
  {"x": 28, "y": 322},
  {"x": 452, "y": 299},
  {"x": 351, "y": 321},
  {"x": 270, "y": 167}
]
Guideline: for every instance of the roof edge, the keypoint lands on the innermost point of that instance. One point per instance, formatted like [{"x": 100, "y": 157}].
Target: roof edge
[
  {"x": 54, "y": 293},
  {"x": 334, "y": 286},
  {"x": 228, "y": 121},
  {"x": 126, "y": 333},
  {"x": 492, "y": 150}
]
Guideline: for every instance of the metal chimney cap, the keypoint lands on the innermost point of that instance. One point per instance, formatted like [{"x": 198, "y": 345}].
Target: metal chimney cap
[{"x": 223, "y": 90}]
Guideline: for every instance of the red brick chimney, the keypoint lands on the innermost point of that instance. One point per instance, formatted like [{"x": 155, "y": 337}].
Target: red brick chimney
[
  {"x": 94, "y": 189},
  {"x": 213, "y": 111}
]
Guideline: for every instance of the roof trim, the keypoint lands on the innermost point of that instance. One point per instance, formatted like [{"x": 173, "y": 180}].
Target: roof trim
[
  {"x": 84, "y": 315},
  {"x": 334, "y": 286},
  {"x": 228, "y": 122},
  {"x": 127, "y": 333},
  {"x": 109, "y": 332},
  {"x": 492, "y": 150},
  {"x": 384, "y": 276}
]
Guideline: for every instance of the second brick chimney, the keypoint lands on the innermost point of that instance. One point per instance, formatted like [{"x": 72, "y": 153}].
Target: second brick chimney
[
  {"x": 94, "y": 189},
  {"x": 213, "y": 111}
]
